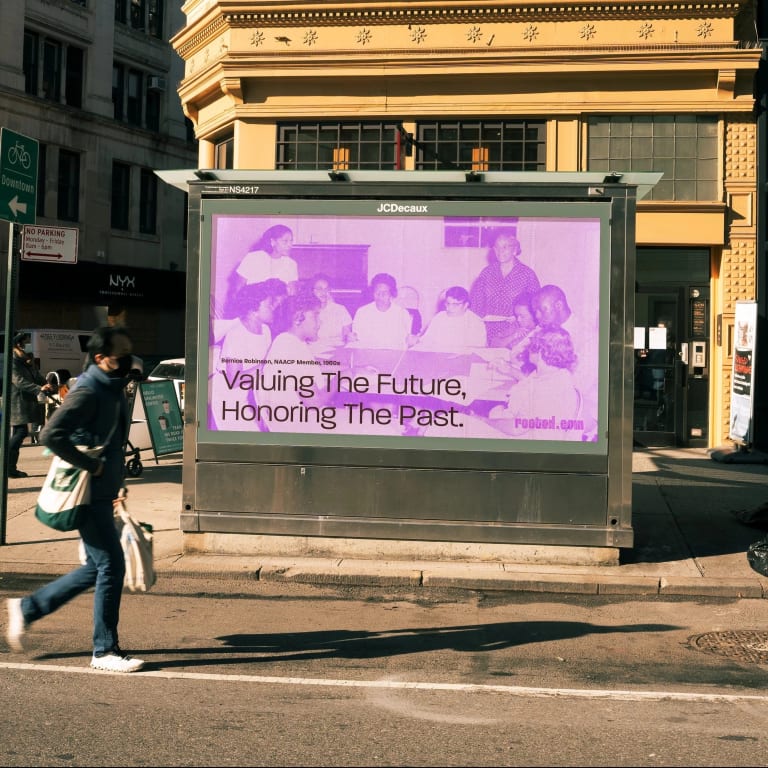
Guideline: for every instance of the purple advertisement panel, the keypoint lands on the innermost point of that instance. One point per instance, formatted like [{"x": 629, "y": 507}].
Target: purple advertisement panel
[{"x": 405, "y": 326}]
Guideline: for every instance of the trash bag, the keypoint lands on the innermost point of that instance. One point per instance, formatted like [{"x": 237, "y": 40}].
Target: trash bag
[{"x": 757, "y": 556}]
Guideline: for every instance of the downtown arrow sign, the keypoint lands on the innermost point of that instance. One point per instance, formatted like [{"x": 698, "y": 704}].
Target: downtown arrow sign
[
  {"x": 18, "y": 177},
  {"x": 56, "y": 245}
]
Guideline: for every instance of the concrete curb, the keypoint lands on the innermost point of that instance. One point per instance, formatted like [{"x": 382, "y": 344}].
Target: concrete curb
[{"x": 481, "y": 578}]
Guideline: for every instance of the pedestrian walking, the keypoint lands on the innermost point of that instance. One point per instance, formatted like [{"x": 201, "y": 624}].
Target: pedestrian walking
[
  {"x": 93, "y": 412},
  {"x": 27, "y": 384}
]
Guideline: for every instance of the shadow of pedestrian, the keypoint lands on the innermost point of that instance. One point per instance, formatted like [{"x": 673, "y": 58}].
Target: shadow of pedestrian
[{"x": 361, "y": 644}]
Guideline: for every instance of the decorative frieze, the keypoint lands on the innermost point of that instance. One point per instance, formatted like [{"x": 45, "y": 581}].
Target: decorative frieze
[{"x": 526, "y": 24}]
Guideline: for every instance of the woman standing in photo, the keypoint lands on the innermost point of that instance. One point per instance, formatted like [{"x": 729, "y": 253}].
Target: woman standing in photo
[
  {"x": 268, "y": 258},
  {"x": 496, "y": 288}
]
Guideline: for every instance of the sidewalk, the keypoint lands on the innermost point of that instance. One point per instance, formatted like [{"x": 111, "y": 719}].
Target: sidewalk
[{"x": 687, "y": 541}]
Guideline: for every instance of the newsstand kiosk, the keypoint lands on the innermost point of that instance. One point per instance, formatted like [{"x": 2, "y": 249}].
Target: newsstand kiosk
[{"x": 415, "y": 364}]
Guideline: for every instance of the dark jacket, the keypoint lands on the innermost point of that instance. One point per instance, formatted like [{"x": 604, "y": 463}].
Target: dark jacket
[
  {"x": 26, "y": 381},
  {"x": 86, "y": 417}
]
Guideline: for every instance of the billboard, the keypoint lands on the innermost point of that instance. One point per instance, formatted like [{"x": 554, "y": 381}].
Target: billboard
[{"x": 457, "y": 325}]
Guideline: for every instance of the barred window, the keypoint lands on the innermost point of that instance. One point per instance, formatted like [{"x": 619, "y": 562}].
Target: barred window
[
  {"x": 683, "y": 147},
  {"x": 484, "y": 145},
  {"x": 338, "y": 146}
]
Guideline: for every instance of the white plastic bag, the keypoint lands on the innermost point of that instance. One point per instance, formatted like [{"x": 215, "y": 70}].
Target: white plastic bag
[{"x": 136, "y": 541}]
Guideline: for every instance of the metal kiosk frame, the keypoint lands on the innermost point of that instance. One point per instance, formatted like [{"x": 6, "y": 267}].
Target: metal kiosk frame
[{"x": 390, "y": 489}]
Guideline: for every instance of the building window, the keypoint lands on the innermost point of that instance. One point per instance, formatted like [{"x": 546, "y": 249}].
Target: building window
[
  {"x": 189, "y": 127},
  {"x": 134, "y": 97},
  {"x": 68, "y": 187},
  {"x": 51, "y": 70},
  {"x": 224, "y": 153},
  {"x": 148, "y": 202},
  {"x": 121, "y": 195},
  {"x": 320, "y": 146},
  {"x": 51, "y": 67},
  {"x": 155, "y": 18},
  {"x": 138, "y": 14},
  {"x": 31, "y": 62},
  {"x": 73, "y": 83},
  {"x": 153, "y": 110},
  {"x": 42, "y": 173},
  {"x": 683, "y": 147},
  {"x": 141, "y": 15},
  {"x": 118, "y": 90},
  {"x": 493, "y": 145}
]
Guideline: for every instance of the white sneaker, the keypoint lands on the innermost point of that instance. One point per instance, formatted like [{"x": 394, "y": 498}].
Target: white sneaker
[
  {"x": 117, "y": 661},
  {"x": 17, "y": 625}
]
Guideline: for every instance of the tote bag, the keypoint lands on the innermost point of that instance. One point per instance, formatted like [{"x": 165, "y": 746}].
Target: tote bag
[{"x": 66, "y": 493}]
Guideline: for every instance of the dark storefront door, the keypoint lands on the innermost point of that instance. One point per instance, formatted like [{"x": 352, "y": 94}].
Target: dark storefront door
[
  {"x": 658, "y": 368},
  {"x": 671, "y": 348}
]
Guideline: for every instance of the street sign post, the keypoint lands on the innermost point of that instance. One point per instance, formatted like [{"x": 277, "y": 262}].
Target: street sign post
[
  {"x": 57, "y": 245},
  {"x": 18, "y": 201},
  {"x": 18, "y": 177}
]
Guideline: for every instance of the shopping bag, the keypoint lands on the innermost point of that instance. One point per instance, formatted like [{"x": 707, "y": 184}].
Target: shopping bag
[
  {"x": 136, "y": 540},
  {"x": 757, "y": 556},
  {"x": 65, "y": 495}
]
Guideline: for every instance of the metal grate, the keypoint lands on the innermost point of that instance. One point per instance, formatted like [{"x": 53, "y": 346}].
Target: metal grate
[{"x": 741, "y": 645}]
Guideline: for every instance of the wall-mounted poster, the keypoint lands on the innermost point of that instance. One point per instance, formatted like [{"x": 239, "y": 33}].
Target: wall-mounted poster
[
  {"x": 414, "y": 325},
  {"x": 742, "y": 374}
]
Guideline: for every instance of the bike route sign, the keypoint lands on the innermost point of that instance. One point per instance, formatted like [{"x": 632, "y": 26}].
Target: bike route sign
[{"x": 18, "y": 177}]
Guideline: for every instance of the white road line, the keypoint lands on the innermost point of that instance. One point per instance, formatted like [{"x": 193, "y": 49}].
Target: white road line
[{"x": 510, "y": 690}]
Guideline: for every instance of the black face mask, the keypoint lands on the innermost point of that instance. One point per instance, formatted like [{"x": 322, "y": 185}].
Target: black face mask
[{"x": 124, "y": 365}]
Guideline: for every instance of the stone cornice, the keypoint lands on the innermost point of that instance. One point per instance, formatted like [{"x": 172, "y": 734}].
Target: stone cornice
[
  {"x": 231, "y": 14},
  {"x": 398, "y": 13}
]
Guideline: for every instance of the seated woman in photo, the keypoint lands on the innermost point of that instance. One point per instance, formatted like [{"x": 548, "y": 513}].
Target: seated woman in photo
[
  {"x": 335, "y": 321},
  {"x": 541, "y": 405},
  {"x": 293, "y": 398},
  {"x": 516, "y": 364},
  {"x": 456, "y": 326},
  {"x": 382, "y": 324},
  {"x": 247, "y": 340}
]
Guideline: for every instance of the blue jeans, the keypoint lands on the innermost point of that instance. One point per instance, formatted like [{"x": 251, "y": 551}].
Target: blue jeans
[
  {"x": 18, "y": 433},
  {"x": 104, "y": 568}
]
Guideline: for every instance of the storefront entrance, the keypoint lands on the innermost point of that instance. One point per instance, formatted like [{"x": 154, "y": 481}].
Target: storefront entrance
[{"x": 672, "y": 348}]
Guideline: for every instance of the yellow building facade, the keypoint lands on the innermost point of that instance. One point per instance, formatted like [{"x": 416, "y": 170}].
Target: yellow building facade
[{"x": 609, "y": 85}]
